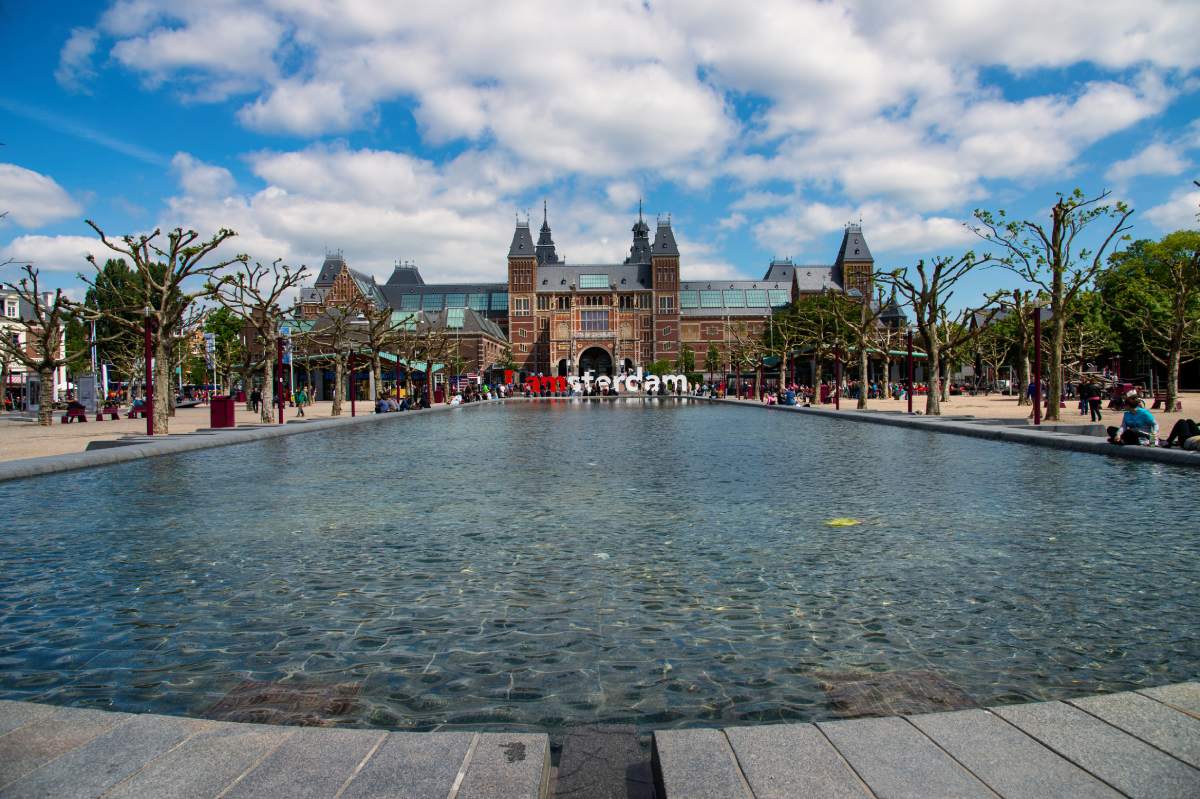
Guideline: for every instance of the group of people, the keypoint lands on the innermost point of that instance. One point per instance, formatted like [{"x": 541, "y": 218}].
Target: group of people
[{"x": 1139, "y": 428}]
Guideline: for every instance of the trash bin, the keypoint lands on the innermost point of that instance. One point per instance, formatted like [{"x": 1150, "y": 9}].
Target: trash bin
[{"x": 221, "y": 412}]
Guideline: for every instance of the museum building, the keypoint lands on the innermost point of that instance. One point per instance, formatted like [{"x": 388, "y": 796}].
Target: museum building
[{"x": 559, "y": 318}]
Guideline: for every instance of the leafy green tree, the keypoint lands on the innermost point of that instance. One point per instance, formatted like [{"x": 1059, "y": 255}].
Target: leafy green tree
[
  {"x": 660, "y": 368},
  {"x": 1057, "y": 261},
  {"x": 1154, "y": 288},
  {"x": 226, "y": 328},
  {"x": 686, "y": 362},
  {"x": 712, "y": 360}
]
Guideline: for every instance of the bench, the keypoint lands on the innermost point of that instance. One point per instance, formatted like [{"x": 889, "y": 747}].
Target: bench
[
  {"x": 110, "y": 412},
  {"x": 74, "y": 415},
  {"x": 1161, "y": 399},
  {"x": 136, "y": 413}
]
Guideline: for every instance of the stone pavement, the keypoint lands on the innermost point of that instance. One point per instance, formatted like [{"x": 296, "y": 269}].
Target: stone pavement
[
  {"x": 1137, "y": 744},
  {"x": 71, "y": 753}
]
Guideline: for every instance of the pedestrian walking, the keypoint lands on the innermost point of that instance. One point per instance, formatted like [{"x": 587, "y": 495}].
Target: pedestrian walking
[{"x": 301, "y": 398}]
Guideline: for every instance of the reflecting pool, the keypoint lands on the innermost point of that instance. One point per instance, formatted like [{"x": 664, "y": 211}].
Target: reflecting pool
[{"x": 546, "y": 564}]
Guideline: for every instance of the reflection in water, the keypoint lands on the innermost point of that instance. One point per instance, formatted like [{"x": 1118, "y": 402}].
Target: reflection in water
[{"x": 539, "y": 565}]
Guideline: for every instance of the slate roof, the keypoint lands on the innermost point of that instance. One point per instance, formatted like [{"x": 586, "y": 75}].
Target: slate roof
[
  {"x": 636, "y": 277},
  {"x": 314, "y": 294},
  {"x": 24, "y": 309},
  {"x": 392, "y": 293},
  {"x": 405, "y": 275},
  {"x": 854, "y": 246},
  {"x": 473, "y": 322},
  {"x": 664, "y": 240},
  {"x": 522, "y": 242},
  {"x": 330, "y": 269}
]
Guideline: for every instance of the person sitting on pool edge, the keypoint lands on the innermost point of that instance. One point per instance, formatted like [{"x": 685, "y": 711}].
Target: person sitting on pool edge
[
  {"x": 1185, "y": 435},
  {"x": 1138, "y": 425}
]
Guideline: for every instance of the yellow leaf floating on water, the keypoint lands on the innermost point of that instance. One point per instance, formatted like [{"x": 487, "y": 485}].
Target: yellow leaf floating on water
[{"x": 843, "y": 521}]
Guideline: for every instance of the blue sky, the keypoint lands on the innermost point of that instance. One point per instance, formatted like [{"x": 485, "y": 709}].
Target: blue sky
[{"x": 398, "y": 131}]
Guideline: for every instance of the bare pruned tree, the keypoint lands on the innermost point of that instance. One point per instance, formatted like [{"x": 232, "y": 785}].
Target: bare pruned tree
[
  {"x": 333, "y": 340},
  {"x": 163, "y": 270},
  {"x": 928, "y": 294},
  {"x": 255, "y": 296},
  {"x": 1057, "y": 260},
  {"x": 38, "y": 344},
  {"x": 859, "y": 317}
]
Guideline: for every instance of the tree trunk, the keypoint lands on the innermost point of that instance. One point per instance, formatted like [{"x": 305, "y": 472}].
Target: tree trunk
[
  {"x": 268, "y": 390},
  {"x": 1022, "y": 377},
  {"x": 1174, "y": 356},
  {"x": 162, "y": 385},
  {"x": 46, "y": 397},
  {"x": 933, "y": 359},
  {"x": 1054, "y": 378},
  {"x": 339, "y": 383},
  {"x": 943, "y": 380},
  {"x": 863, "y": 365},
  {"x": 377, "y": 375}
]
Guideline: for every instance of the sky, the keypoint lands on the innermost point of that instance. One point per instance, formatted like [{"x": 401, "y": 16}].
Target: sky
[{"x": 421, "y": 131}]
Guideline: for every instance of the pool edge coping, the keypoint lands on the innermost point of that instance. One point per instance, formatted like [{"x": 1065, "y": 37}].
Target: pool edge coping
[
  {"x": 1044, "y": 436},
  {"x": 174, "y": 443},
  {"x": 187, "y": 442}
]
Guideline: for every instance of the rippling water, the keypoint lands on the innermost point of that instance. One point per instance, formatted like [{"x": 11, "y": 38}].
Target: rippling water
[{"x": 541, "y": 565}]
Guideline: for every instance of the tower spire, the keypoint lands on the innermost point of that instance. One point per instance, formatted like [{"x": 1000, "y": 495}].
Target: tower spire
[
  {"x": 639, "y": 209},
  {"x": 545, "y": 218}
]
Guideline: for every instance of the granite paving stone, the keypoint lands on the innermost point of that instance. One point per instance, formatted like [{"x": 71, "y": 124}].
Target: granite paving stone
[
  {"x": 411, "y": 764},
  {"x": 793, "y": 761},
  {"x": 15, "y": 714},
  {"x": 91, "y": 769},
  {"x": 203, "y": 765},
  {"x": 698, "y": 764},
  {"x": 39, "y": 742},
  {"x": 1131, "y": 766},
  {"x": 897, "y": 761},
  {"x": 512, "y": 765},
  {"x": 1172, "y": 731},
  {"x": 1184, "y": 696},
  {"x": 1006, "y": 759},
  {"x": 311, "y": 764},
  {"x": 603, "y": 761}
]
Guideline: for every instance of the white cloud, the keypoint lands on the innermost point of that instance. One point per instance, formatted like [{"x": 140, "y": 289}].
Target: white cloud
[
  {"x": 56, "y": 253},
  {"x": 33, "y": 199},
  {"x": 885, "y": 227},
  {"x": 200, "y": 179},
  {"x": 1157, "y": 158},
  {"x": 1180, "y": 212},
  {"x": 75, "y": 60}
]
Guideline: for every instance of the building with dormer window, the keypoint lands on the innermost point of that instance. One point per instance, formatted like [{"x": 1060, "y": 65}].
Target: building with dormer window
[{"x": 562, "y": 318}]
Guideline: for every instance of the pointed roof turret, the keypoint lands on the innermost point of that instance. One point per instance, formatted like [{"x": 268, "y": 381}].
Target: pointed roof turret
[
  {"x": 522, "y": 241},
  {"x": 664, "y": 239},
  {"x": 406, "y": 274},
  {"x": 545, "y": 245},
  {"x": 854, "y": 246},
  {"x": 639, "y": 253}
]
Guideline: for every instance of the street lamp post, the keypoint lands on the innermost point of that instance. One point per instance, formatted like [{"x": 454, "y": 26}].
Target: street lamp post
[
  {"x": 279, "y": 375},
  {"x": 910, "y": 372},
  {"x": 149, "y": 351},
  {"x": 1037, "y": 365},
  {"x": 352, "y": 392},
  {"x": 837, "y": 378}
]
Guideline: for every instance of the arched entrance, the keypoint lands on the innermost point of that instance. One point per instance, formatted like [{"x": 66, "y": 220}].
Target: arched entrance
[
  {"x": 562, "y": 367},
  {"x": 597, "y": 361},
  {"x": 628, "y": 366}
]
